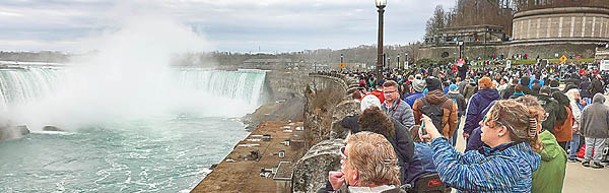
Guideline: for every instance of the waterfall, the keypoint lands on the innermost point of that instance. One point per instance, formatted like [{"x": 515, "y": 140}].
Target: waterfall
[
  {"x": 23, "y": 85},
  {"x": 46, "y": 94},
  {"x": 243, "y": 85}
]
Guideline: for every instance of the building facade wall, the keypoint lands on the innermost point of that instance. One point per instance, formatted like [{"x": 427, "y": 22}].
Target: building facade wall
[{"x": 561, "y": 23}]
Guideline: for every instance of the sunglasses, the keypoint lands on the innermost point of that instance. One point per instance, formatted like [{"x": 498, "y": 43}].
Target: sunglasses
[{"x": 342, "y": 153}]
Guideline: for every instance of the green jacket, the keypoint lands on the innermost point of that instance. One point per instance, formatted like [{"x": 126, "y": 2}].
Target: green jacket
[{"x": 551, "y": 172}]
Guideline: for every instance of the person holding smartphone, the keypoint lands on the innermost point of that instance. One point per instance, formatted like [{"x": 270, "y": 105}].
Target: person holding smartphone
[{"x": 507, "y": 165}]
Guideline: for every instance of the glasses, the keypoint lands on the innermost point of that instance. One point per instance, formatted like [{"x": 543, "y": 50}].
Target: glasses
[
  {"x": 389, "y": 92},
  {"x": 486, "y": 122},
  {"x": 342, "y": 153}
]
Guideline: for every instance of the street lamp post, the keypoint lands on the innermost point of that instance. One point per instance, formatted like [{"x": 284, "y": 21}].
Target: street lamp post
[
  {"x": 380, "y": 4},
  {"x": 398, "y": 61},
  {"x": 460, "y": 43},
  {"x": 406, "y": 61}
]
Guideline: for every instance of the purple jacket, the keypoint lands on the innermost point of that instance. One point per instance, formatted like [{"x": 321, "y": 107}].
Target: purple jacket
[
  {"x": 477, "y": 104},
  {"x": 474, "y": 142},
  {"x": 413, "y": 97}
]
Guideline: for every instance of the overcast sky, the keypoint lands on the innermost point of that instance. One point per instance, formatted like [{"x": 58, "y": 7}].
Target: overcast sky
[{"x": 227, "y": 25}]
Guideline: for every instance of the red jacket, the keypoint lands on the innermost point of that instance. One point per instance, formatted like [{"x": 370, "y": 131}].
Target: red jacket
[{"x": 379, "y": 94}]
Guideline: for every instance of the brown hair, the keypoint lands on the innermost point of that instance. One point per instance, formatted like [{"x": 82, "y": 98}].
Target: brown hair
[
  {"x": 376, "y": 121},
  {"x": 523, "y": 119},
  {"x": 390, "y": 83},
  {"x": 374, "y": 157},
  {"x": 518, "y": 88}
]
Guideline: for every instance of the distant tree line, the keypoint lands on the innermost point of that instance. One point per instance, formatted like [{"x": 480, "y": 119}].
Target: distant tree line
[
  {"x": 44, "y": 56},
  {"x": 522, "y": 5},
  {"x": 471, "y": 13}
]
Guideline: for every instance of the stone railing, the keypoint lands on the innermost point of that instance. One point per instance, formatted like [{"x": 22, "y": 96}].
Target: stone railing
[{"x": 328, "y": 101}]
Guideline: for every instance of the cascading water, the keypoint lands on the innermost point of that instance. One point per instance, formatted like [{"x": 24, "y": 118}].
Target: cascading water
[
  {"x": 162, "y": 153},
  {"x": 132, "y": 122}
]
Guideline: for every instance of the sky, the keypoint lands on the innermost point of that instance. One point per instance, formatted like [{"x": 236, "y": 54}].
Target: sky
[{"x": 246, "y": 26}]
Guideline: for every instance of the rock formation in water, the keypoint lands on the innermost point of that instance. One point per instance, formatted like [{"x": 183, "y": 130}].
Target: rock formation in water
[
  {"x": 51, "y": 128},
  {"x": 13, "y": 132}
]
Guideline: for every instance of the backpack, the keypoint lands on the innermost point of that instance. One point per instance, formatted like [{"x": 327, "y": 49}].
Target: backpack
[{"x": 434, "y": 112}]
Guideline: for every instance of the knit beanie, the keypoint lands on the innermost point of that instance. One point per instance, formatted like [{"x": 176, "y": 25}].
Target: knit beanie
[
  {"x": 369, "y": 101},
  {"x": 452, "y": 87},
  {"x": 433, "y": 84},
  {"x": 418, "y": 85}
]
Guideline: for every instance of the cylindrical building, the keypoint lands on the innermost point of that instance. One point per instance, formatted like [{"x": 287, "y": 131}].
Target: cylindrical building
[{"x": 570, "y": 31}]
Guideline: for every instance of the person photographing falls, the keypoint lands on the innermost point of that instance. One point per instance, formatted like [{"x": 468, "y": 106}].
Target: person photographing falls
[{"x": 510, "y": 131}]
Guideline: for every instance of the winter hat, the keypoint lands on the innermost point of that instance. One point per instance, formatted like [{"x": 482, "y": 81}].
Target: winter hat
[
  {"x": 433, "y": 84},
  {"x": 554, "y": 83},
  {"x": 369, "y": 101},
  {"x": 380, "y": 82},
  {"x": 545, "y": 90},
  {"x": 418, "y": 85},
  {"x": 486, "y": 82},
  {"x": 452, "y": 87}
]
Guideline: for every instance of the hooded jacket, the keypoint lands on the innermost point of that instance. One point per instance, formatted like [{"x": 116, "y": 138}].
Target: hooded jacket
[
  {"x": 595, "y": 118},
  {"x": 449, "y": 111},
  {"x": 583, "y": 88},
  {"x": 458, "y": 97},
  {"x": 505, "y": 168},
  {"x": 596, "y": 87},
  {"x": 525, "y": 82},
  {"x": 550, "y": 175},
  {"x": 551, "y": 107},
  {"x": 564, "y": 132},
  {"x": 476, "y": 105}
]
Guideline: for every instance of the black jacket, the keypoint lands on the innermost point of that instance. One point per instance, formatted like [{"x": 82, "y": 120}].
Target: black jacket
[
  {"x": 401, "y": 142},
  {"x": 552, "y": 109}
]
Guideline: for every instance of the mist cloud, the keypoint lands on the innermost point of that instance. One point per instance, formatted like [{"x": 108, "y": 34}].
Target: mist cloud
[{"x": 232, "y": 25}]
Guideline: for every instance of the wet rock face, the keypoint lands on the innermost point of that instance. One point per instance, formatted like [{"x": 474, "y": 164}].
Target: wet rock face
[
  {"x": 13, "y": 132},
  {"x": 311, "y": 171}
]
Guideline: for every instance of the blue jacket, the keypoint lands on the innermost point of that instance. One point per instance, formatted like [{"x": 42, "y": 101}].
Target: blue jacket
[
  {"x": 506, "y": 168},
  {"x": 477, "y": 104},
  {"x": 421, "y": 163},
  {"x": 413, "y": 97}
]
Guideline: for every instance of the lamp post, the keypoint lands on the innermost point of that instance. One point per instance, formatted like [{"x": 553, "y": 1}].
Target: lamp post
[
  {"x": 406, "y": 61},
  {"x": 380, "y": 4},
  {"x": 460, "y": 43},
  {"x": 398, "y": 61}
]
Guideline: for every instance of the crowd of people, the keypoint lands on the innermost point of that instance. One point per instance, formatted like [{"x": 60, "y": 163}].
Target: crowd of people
[{"x": 521, "y": 126}]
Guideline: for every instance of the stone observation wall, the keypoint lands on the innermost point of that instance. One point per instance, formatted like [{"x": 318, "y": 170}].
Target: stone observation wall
[
  {"x": 328, "y": 101},
  {"x": 575, "y": 23}
]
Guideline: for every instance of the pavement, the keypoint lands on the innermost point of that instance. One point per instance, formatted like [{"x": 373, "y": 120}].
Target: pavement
[{"x": 578, "y": 179}]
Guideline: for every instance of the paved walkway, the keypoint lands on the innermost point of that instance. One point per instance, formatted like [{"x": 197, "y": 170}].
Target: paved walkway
[{"x": 578, "y": 178}]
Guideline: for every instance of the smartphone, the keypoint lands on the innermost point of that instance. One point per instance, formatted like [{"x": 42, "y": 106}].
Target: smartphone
[{"x": 423, "y": 131}]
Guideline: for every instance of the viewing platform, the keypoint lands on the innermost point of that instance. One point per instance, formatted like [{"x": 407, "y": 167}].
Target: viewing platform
[{"x": 260, "y": 163}]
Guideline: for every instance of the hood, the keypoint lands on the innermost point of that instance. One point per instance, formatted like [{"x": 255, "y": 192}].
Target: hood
[
  {"x": 598, "y": 98},
  {"x": 551, "y": 150},
  {"x": 436, "y": 97},
  {"x": 491, "y": 94},
  {"x": 525, "y": 81}
]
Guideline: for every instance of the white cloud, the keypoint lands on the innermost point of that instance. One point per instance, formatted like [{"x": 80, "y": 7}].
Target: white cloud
[{"x": 231, "y": 25}]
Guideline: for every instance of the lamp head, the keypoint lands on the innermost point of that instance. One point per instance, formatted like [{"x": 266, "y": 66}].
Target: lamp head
[{"x": 380, "y": 3}]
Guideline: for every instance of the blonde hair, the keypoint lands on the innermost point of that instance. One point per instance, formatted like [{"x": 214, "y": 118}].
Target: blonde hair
[
  {"x": 374, "y": 158},
  {"x": 523, "y": 122}
]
